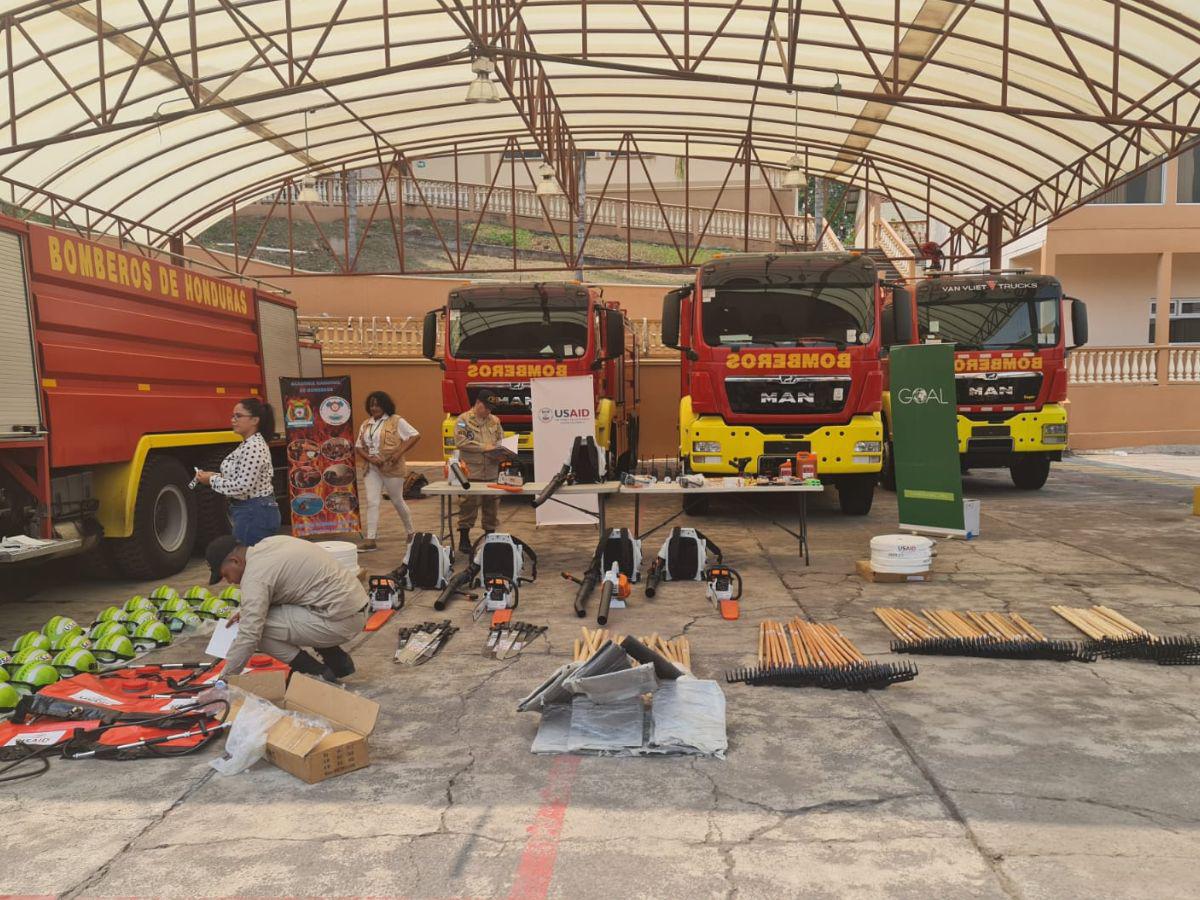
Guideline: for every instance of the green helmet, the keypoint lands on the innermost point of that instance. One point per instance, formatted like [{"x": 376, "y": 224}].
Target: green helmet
[
  {"x": 163, "y": 592},
  {"x": 113, "y": 647},
  {"x": 59, "y": 625},
  {"x": 173, "y": 605},
  {"x": 9, "y": 697},
  {"x": 27, "y": 656},
  {"x": 34, "y": 639},
  {"x": 104, "y": 629},
  {"x": 31, "y": 678},
  {"x": 71, "y": 640},
  {"x": 138, "y": 602},
  {"x": 151, "y": 634},
  {"x": 214, "y": 608},
  {"x": 197, "y": 595},
  {"x": 138, "y": 619},
  {"x": 71, "y": 662},
  {"x": 183, "y": 620},
  {"x": 3, "y": 674},
  {"x": 111, "y": 614},
  {"x": 232, "y": 594}
]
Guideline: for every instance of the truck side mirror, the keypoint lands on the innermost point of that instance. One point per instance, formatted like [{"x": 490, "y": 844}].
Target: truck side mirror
[
  {"x": 902, "y": 316},
  {"x": 1079, "y": 323},
  {"x": 614, "y": 334},
  {"x": 429, "y": 335},
  {"x": 670, "y": 319}
]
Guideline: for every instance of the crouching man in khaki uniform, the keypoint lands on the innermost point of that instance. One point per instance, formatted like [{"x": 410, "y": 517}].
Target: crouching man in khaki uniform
[
  {"x": 294, "y": 595},
  {"x": 477, "y": 436}
]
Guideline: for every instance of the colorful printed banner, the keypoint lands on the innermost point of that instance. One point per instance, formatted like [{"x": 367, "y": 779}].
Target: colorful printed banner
[{"x": 322, "y": 483}]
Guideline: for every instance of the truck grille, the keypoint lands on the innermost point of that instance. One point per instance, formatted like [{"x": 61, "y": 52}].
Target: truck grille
[
  {"x": 789, "y": 395},
  {"x": 512, "y": 397},
  {"x": 998, "y": 389}
]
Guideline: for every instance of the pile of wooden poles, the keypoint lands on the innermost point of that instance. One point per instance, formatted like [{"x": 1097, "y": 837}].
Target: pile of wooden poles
[
  {"x": 1116, "y": 637},
  {"x": 949, "y": 623},
  {"x": 806, "y": 644},
  {"x": 1101, "y": 623},
  {"x": 948, "y": 632},
  {"x": 811, "y": 654},
  {"x": 678, "y": 651}
]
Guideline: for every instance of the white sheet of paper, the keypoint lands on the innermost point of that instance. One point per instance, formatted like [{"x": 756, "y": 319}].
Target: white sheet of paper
[
  {"x": 222, "y": 639},
  {"x": 510, "y": 443}
]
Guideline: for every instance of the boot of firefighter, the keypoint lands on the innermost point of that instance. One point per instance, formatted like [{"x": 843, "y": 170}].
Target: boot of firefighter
[
  {"x": 464, "y": 541},
  {"x": 337, "y": 659},
  {"x": 304, "y": 663}
]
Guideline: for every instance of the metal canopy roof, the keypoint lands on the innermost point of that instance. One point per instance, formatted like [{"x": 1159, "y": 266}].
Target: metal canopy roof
[{"x": 163, "y": 111}]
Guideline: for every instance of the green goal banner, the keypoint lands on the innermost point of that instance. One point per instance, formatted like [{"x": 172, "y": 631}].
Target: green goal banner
[{"x": 925, "y": 438}]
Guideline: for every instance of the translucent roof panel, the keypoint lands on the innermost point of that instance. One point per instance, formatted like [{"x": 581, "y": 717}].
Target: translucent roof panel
[{"x": 163, "y": 112}]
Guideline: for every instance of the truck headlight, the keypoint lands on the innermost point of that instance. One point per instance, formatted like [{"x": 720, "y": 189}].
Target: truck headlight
[
  {"x": 868, "y": 447},
  {"x": 706, "y": 447},
  {"x": 1054, "y": 434}
]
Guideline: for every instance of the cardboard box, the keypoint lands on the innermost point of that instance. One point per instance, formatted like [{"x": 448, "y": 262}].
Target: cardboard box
[
  {"x": 301, "y": 750},
  {"x": 866, "y": 573},
  {"x": 971, "y": 518}
]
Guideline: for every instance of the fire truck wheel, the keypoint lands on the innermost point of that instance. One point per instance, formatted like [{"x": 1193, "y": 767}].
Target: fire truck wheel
[
  {"x": 855, "y": 494},
  {"x": 1030, "y": 474},
  {"x": 887, "y": 475},
  {"x": 164, "y": 522}
]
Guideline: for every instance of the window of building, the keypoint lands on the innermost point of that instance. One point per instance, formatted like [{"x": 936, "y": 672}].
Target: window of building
[
  {"x": 1189, "y": 176},
  {"x": 1144, "y": 188},
  {"x": 1185, "y": 321}
]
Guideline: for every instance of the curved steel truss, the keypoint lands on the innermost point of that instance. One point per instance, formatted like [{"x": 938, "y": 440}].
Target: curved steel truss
[{"x": 994, "y": 115}]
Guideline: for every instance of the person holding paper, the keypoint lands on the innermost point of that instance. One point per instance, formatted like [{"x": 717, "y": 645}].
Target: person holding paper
[
  {"x": 383, "y": 441},
  {"x": 294, "y": 595},
  {"x": 478, "y": 436}
]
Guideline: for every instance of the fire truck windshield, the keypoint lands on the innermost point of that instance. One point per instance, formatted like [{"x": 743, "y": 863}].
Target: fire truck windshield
[
  {"x": 992, "y": 319},
  {"x": 750, "y": 311},
  {"x": 525, "y": 329}
]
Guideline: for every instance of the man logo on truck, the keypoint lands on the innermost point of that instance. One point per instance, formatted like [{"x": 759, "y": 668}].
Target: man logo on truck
[
  {"x": 793, "y": 397},
  {"x": 992, "y": 391}
]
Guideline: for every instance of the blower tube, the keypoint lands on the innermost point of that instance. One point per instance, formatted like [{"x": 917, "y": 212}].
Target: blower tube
[{"x": 552, "y": 486}]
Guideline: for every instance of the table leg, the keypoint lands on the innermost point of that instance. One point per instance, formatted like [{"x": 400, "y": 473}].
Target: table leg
[
  {"x": 601, "y": 524},
  {"x": 804, "y": 526},
  {"x": 637, "y": 516}
]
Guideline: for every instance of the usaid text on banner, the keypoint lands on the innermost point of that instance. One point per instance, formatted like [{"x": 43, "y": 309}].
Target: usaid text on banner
[
  {"x": 92, "y": 264},
  {"x": 549, "y": 415}
]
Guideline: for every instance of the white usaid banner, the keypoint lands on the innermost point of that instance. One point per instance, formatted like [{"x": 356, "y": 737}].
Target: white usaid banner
[{"x": 563, "y": 409}]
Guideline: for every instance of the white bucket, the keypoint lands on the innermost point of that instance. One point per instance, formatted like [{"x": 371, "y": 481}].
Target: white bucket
[{"x": 344, "y": 552}]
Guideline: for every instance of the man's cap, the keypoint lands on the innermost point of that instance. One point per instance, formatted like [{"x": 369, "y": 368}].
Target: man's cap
[
  {"x": 218, "y": 551},
  {"x": 486, "y": 396}
]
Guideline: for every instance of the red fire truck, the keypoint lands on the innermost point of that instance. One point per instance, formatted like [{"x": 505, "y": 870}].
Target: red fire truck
[
  {"x": 120, "y": 372},
  {"x": 499, "y": 336},
  {"x": 780, "y": 355},
  {"x": 1010, "y": 366}
]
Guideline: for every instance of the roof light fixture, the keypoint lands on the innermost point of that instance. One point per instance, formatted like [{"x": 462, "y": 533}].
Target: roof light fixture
[
  {"x": 794, "y": 177},
  {"x": 308, "y": 186},
  {"x": 482, "y": 89}
]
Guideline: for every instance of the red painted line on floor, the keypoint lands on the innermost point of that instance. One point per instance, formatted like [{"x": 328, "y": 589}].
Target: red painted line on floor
[{"x": 536, "y": 867}]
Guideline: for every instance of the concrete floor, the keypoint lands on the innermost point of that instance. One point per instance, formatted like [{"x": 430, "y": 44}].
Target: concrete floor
[{"x": 981, "y": 778}]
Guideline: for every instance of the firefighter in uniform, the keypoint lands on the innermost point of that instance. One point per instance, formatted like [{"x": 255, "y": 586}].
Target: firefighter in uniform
[{"x": 477, "y": 436}]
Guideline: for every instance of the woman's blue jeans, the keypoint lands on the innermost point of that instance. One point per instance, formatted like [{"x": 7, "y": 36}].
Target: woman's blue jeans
[{"x": 254, "y": 519}]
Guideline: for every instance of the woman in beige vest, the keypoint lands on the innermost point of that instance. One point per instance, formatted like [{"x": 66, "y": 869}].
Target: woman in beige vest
[{"x": 383, "y": 441}]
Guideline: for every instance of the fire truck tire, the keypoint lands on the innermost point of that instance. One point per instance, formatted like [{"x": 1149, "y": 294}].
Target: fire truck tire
[
  {"x": 212, "y": 509},
  {"x": 855, "y": 494},
  {"x": 1030, "y": 474},
  {"x": 887, "y": 475},
  {"x": 164, "y": 522}
]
